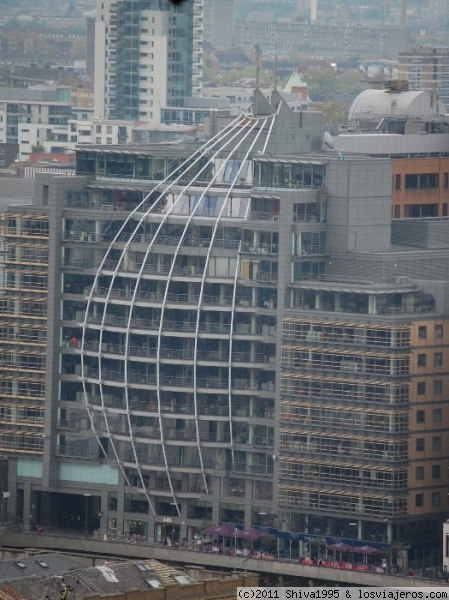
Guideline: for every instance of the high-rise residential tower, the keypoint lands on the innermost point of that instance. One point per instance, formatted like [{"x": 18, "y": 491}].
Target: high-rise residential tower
[
  {"x": 426, "y": 68},
  {"x": 148, "y": 56}
]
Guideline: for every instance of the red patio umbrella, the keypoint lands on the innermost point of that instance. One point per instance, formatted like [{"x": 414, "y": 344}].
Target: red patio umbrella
[
  {"x": 367, "y": 550},
  {"x": 223, "y": 530},
  {"x": 340, "y": 547},
  {"x": 251, "y": 534}
]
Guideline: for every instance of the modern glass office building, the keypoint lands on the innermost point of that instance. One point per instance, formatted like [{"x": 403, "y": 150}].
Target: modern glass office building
[{"x": 223, "y": 332}]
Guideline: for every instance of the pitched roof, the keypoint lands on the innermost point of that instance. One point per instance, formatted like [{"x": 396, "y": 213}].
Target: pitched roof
[
  {"x": 34, "y": 580},
  {"x": 32, "y": 566},
  {"x": 34, "y": 576},
  {"x": 295, "y": 81}
]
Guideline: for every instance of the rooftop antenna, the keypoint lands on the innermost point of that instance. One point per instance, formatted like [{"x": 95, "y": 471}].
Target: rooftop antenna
[
  {"x": 258, "y": 53},
  {"x": 276, "y": 68},
  {"x": 436, "y": 100}
]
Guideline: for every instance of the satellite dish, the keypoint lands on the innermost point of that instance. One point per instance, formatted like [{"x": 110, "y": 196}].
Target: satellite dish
[{"x": 329, "y": 141}]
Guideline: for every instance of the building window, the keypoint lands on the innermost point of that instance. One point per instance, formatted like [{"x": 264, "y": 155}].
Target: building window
[
  {"x": 419, "y": 444},
  {"x": 419, "y": 500},
  {"x": 438, "y": 331},
  {"x": 438, "y": 359},
  {"x": 421, "y": 360},
  {"x": 445, "y": 180},
  {"x": 436, "y": 443},
  {"x": 438, "y": 387},
  {"x": 436, "y": 471},
  {"x": 436, "y": 498},
  {"x": 444, "y": 213},
  {"x": 397, "y": 182},
  {"x": 417, "y": 211},
  {"x": 422, "y": 332},
  {"x": 419, "y": 474},
  {"x": 421, "y": 181},
  {"x": 421, "y": 388},
  {"x": 97, "y": 128},
  {"x": 397, "y": 211},
  {"x": 437, "y": 415},
  {"x": 420, "y": 416}
]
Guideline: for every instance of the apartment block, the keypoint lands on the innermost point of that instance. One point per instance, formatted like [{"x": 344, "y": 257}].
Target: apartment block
[
  {"x": 328, "y": 41},
  {"x": 148, "y": 56},
  {"x": 426, "y": 68},
  {"x": 34, "y": 115}
]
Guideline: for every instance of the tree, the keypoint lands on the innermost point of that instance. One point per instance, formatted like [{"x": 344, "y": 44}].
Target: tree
[
  {"x": 247, "y": 73},
  {"x": 321, "y": 83},
  {"x": 334, "y": 112},
  {"x": 325, "y": 85},
  {"x": 38, "y": 149}
]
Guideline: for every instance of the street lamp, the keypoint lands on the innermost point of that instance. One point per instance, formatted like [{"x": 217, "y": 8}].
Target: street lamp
[
  {"x": 86, "y": 496},
  {"x": 235, "y": 546},
  {"x": 3, "y": 487}
]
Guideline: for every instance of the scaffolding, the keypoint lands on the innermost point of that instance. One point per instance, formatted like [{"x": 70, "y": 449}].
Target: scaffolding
[
  {"x": 346, "y": 333},
  {"x": 23, "y": 326},
  {"x": 338, "y": 501}
]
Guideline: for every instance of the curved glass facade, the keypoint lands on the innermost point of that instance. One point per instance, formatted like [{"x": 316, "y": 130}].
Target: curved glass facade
[
  {"x": 173, "y": 363},
  {"x": 207, "y": 358}
]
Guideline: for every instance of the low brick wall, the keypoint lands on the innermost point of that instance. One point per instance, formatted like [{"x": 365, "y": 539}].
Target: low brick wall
[{"x": 203, "y": 589}]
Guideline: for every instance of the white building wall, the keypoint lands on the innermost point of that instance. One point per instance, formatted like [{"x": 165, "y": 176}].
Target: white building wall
[
  {"x": 30, "y": 134},
  {"x": 100, "y": 131},
  {"x": 101, "y": 60},
  {"x": 77, "y": 131},
  {"x": 153, "y": 65},
  {"x": 197, "y": 48}
]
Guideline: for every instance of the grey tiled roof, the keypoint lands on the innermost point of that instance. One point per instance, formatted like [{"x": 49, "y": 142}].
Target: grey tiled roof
[
  {"x": 56, "y": 564},
  {"x": 34, "y": 582}
]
